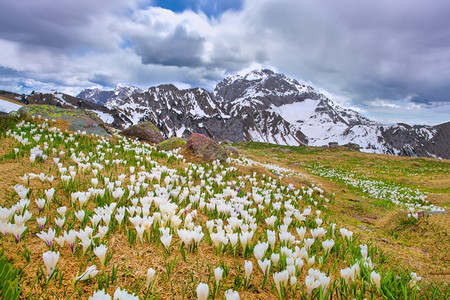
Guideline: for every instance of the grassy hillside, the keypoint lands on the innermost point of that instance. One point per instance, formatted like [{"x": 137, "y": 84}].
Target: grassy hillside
[
  {"x": 311, "y": 222},
  {"x": 421, "y": 244}
]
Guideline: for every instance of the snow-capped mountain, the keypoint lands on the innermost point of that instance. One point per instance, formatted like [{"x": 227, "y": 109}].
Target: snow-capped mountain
[
  {"x": 280, "y": 110},
  {"x": 269, "y": 107},
  {"x": 180, "y": 112},
  {"x": 109, "y": 98}
]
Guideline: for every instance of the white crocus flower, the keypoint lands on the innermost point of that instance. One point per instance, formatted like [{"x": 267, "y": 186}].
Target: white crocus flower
[
  {"x": 61, "y": 211},
  {"x": 70, "y": 238},
  {"x": 60, "y": 222},
  {"x": 40, "y": 203},
  {"x": 264, "y": 265},
  {"x": 308, "y": 242},
  {"x": 311, "y": 284},
  {"x": 346, "y": 233},
  {"x": 218, "y": 274},
  {"x": 95, "y": 219},
  {"x": 150, "y": 275},
  {"x": 119, "y": 217},
  {"x": 375, "y": 278},
  {"x": 248, "y": 268},
  {"x": 311, "y": 260},
  {"x": 80, "y": 215},
  {"x": 301, "y": 232},
  {"x": 275, "y": 257},
  {"x": 100, "y": 295},
  {"x": 363, "y": 251},
  {"x": 327, "y": 245},
  {"x": 94, "y": 182},
  {"x": 49, "y": 194},
  {"x": 102, "y": 231},
  {"x": 293, "y": 281},
  {"x": 140, "y": 232},
  {"x": 47, "y": 237},
  {"x": 124, "y": 295},
  {"x": 414, "y": 280},
  {"x": 231, "y": 295},
  {"x": 50, "y": 260},
  {"x": 202, "y": 291},
  {"x": 60, "y": 240},
  {"x": 41, "y": 222},
  {"x": 281, "y": 280},
  {"x": 17, "y": 231},
  {"x": 259, "y": 250},
  {"x": 100, "y": 251},
  {"x": 90, "y": 272},
  {"x": 347, "y": 274},
  {"x": 165, "y": 240},
  {"x": 324, "y": 281}
]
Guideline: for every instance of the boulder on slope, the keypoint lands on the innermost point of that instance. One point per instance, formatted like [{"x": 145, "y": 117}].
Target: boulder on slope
[
  {"x": 146, "y": 131},
  {"x": 78, "y": 119},
  {"x": 205, "y": 148},
  {"x": 171, "y": 144}
]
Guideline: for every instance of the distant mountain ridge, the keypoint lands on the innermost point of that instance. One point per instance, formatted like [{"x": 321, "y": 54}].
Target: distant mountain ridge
[
  {"x": 271, "y": 107},
  {"x": 260, "y": 106}
]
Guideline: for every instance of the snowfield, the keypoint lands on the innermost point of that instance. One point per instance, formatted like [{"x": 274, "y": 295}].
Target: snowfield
[
  {"x": 7, "y": 107},
  {"x": 106, "y": 118}
]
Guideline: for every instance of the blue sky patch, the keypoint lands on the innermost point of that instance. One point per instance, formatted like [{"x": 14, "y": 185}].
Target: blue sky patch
[{"x": 212, "y": 8}]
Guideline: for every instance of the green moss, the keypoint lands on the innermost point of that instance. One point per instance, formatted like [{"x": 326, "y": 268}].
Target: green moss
[
  {"x": 170, "y": 144},
  {"x": 78, "y": 119}
]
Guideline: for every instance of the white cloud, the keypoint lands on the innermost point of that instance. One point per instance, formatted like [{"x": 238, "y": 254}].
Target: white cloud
[
  {"x": 406, "y": 111},
  {"x": 382, "y": 103}
]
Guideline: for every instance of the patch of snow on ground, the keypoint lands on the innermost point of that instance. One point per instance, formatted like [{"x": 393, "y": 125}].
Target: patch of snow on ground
[
  {"x": 106, "y": 118},
  {"x": 7, "y": 107}
]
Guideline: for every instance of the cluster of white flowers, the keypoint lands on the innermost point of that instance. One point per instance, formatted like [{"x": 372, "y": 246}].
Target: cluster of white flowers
[
  {"x": 238, "y": 214},
  {"x": 412, "y": 200}
]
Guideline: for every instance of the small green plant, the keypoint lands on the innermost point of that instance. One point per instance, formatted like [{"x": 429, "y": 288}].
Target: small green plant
[{"x": 9, "y": 280}]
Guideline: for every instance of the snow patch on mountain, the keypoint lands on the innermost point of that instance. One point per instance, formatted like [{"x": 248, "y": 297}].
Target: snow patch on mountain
[
  {"x": 62, "y": 101},
  {"x": 296, "y": 112}
]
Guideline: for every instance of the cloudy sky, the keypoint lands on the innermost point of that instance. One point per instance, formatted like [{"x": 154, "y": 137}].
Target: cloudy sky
[{"x": 388, "y": 59}]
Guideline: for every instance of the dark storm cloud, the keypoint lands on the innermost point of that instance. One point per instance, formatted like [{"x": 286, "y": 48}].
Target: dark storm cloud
[
  {"x": 386, "y": 49},
  {"x": 179, "y": 48},
  {"x": 380, "y": 53},
  {"x": 59, "y": 24}
]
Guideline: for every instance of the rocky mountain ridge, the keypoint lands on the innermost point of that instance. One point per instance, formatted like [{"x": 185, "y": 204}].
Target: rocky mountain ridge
[{"x": 260, "y": 106}]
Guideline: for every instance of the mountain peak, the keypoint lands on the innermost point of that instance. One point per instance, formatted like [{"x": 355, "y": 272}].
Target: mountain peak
[
  {"x": 258, "y": 74},
  {"x": 120, "y": 86}
]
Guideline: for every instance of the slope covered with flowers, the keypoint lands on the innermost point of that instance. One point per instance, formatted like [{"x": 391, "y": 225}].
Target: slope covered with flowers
[{"x": 95, "y": 217}]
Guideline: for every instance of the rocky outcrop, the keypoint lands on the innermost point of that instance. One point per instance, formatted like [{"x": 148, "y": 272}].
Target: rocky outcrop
[
  {"x": 113, "y": 117},
  {"x": 146, "y": 131},
  {"x": 79, "y": 120},
  {"x": 419, "y": 140},
  {"x": 205, "y": 148}
]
